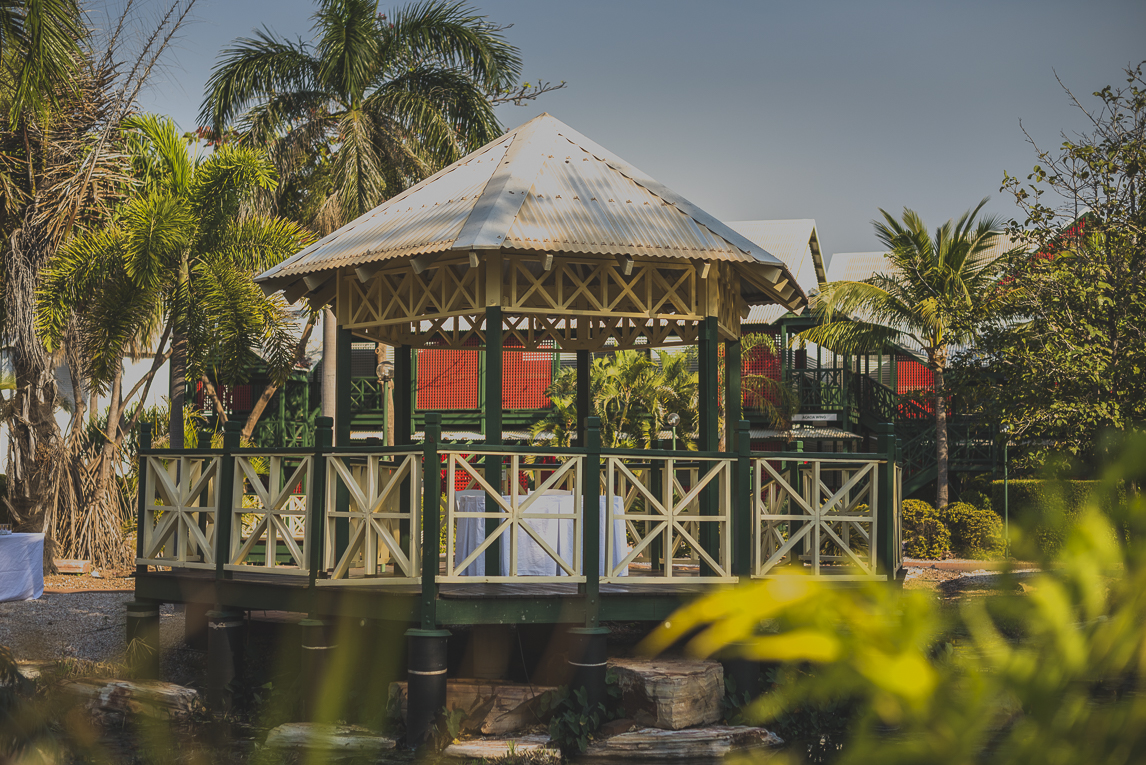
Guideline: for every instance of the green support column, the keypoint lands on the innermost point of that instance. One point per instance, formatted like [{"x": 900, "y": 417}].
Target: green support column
[
  {"x": 708, "y": 400},
  {"x": 404, "y": 401},
  {"x": 584, "y": 386},
  {"x": 316, "y": 504},
  {"x": 656, "y": 486},
  {"x": 141, "y": 499},
  {"x": 342, "y": 437},
  {"x": 232, "y": 432},
  {"x": 885, "y": 511},
  {"x": 431, "y": 521},
  {"x": 493, "y": 412},
  {"x": 591, "y": 505},
  {"x": 742, "y": 523},
  {"x": 733, "y": 396}
]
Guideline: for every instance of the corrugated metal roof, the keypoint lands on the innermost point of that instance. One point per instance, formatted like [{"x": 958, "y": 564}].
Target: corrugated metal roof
[
  {"x": 542, "y": 186},
  {"x": 797, "y": 244},
  {"x": 857, "y": 266}
]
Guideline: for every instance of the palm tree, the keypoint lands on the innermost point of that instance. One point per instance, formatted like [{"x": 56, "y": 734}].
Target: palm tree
[
  {"x": 374, "y": 104},
  {"x": 177, "y": 260},
  {"x": 936, "y": 291}
]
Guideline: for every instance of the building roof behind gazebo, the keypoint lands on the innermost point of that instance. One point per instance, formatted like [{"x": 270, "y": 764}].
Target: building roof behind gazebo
[{"x": 542, "y": 187}]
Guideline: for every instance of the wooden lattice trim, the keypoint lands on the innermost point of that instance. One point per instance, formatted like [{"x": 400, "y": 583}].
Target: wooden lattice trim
[
  {"x": 276, "y": 509},
  {"x": 178, "y": 493}
]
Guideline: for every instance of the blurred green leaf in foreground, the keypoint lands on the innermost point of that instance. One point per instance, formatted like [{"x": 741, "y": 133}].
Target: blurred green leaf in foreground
[{"x": 1049, "y": 671}]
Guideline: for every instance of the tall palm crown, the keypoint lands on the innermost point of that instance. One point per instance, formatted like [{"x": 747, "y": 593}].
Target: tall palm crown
[
  {"x": 177, "y": 259},
  {"x": 374, "y": 104},
  {"x": 938, "y": 288}
]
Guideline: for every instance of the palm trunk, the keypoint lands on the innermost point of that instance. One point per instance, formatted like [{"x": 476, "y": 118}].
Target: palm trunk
[
  {"x": 31, "y": 420},
  {"x": 269, "y": 391},
  {"x": 941, "y": 449},
  {"x": 179, "y": 356}
]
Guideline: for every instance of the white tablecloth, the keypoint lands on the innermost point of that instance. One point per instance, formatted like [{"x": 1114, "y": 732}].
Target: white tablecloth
[
  {"x": 532, "y": 560},
  {"x": 21, "y": 566}
]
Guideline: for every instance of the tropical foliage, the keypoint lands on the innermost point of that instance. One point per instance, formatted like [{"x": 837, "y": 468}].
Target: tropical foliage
[
  {"x": 374, "y": 103},
  {"x": 1068, "y": 363},
  {"x": 632, "y": 394},
  {"x": 176, "y": 260},
  {"x": 936, "y": 292},
  {"x": 1052, "y": 675}
]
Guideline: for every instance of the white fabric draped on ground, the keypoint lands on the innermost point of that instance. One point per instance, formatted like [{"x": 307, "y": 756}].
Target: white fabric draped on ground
[
  {"x": 532, "y": 560},
  {"x": 21, "y": 566}
]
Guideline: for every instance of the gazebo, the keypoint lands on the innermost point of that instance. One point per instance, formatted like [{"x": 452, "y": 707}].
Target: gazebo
[{"x": 539, "y": 241}]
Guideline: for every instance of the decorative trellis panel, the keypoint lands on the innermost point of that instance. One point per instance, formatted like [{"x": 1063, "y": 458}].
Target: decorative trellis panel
[
  {"x": 672, "y": 514},
  {"x": 832, "y": 529},
  {"x": 376, "y": 552},
  {"x": 180, "y": 511},
  {"x": 514, "y": 510},
  {"x": 268, "y": 511}
]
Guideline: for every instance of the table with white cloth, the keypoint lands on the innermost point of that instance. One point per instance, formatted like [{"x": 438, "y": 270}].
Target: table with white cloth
[
  {"x": 532, "y": 559},
  {"x": 21, "y": 566}
]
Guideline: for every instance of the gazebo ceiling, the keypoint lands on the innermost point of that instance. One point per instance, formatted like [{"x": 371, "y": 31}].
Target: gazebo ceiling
[{"x": 542, "y": 210}]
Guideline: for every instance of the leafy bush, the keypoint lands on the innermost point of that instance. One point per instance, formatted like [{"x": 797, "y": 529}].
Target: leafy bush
[
  {"x": 976, "y": 532},
  {"x": 924, "y": 534},
  {"x": 1046, "y": 509},
  {"x": 573, "y": 723}
]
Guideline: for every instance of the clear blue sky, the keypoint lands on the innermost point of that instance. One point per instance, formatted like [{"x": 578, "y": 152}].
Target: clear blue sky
[{"x": 825, "y": 110}]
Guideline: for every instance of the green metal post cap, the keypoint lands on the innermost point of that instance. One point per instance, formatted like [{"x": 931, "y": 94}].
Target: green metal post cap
[
  {"x": 588, "y": 630},
  {"x": 233, "y": 426},
  {"x": 433, "y": 418},
  {"x": 324, "y": 422},
  {"x": 414, "y": 632}
]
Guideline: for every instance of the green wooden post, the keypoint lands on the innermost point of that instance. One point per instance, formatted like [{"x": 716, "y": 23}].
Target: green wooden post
[
  {"x": 493, "y": 412},
  {"x": 316, "y": 501},
  {"x": 342, "y": 418},
  {"x": 657, "y": 470},
  {"x": 733, "y": 396},
  {"x": 232, "y": 432},
  {"x": 141, "y": 509},
  {"x": 584, "y": 387},
  {"x": 744, "y": 502},
  {"x": 885, "y": 518},
  {"x": 204, "y": 442},
  {"x": 431, "y": 519},
  {"x": 591, "y": 521},
  {"x": 707, "y": 399}
]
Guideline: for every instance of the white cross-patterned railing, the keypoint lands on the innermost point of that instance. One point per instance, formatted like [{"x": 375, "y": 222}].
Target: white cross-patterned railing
[
  {"x": 376, "y": 551},
  {"x": 179, "y": 511},
  {"x": 828, "y": 521},
  {"x": 546, "y": 520},
  {"x": 268, "y": 509},
  {"x": 670, "y": 512}
]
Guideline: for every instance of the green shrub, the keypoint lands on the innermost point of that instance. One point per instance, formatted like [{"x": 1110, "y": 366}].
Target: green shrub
[
  {"x": 1045, "y": 510},
  {"x": 924, "y": 534},
  {"x": 976, "y": 532}
]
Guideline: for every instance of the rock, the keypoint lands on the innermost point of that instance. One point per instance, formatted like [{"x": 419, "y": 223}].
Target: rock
[
  {"x": 655, "y": 744},
  {"x": 331, "y": 739},
  {"x": 670, "y": 693},
  {"x": 486, "y": 749},
  {"x": 97, "y": 575},
  {"x": 492, "y": 707},
  {"x": 158, "y": 700},
  {"x": 615, "y": 728},
  {"x": 72, "y": 566}
]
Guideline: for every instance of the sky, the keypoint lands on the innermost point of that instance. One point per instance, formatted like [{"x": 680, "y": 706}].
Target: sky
[{"x": 754, "y": 110}]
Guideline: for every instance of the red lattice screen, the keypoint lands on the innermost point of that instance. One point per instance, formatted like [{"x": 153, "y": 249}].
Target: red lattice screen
[
  {"x": 237, "y": 398},
  {"x": 525, "y": 376},
  {"x": 448, "y": 379},
  {"x": 761, "y": 361}
]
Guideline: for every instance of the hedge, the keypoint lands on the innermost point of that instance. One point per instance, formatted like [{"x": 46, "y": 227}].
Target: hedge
[
  {"x": 924, "y": 534},
  {"x": 976, "y": 532},
  {"x": 1044, "y": 510}
]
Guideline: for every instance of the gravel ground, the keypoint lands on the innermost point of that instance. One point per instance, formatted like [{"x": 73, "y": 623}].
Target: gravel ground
[{"x": 83, "y": 625}]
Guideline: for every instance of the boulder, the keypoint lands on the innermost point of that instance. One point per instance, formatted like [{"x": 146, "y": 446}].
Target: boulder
[
  {"x": 336, "y": 740},
  {"x": 656, "y": 744},
  {"x": 149, "y": 698},
  {"x": 670, "y": 693},
  {"x": 492, "y": 707},
  {"x": 489, "y": 749}
]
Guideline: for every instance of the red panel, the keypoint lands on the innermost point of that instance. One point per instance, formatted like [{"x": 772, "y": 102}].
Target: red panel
[
  {"x": 912, "y": 375},
  {"x": 525, "y": 376},
  {"x": 448, "y": 379},
  {"x": 761, "y": 361}
]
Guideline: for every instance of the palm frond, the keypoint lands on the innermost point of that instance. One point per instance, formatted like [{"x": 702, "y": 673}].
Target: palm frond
[
  {"x": 159, "y": 153},
  {"x": 850, "y": 336},
  {"x": 348, "y": 47},
  {"x": 257, "y": 242}
]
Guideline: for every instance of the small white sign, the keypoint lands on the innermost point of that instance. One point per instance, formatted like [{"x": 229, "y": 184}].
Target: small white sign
[{"x": 816, "y": 417}]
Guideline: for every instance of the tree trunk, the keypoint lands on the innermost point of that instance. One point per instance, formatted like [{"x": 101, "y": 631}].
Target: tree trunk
[
  {"x": 941, "y": 448},
  {"x": 269, "y": 391},
  {"x": 32, "y": 430},
  {"x": 178, "y": 389}
]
